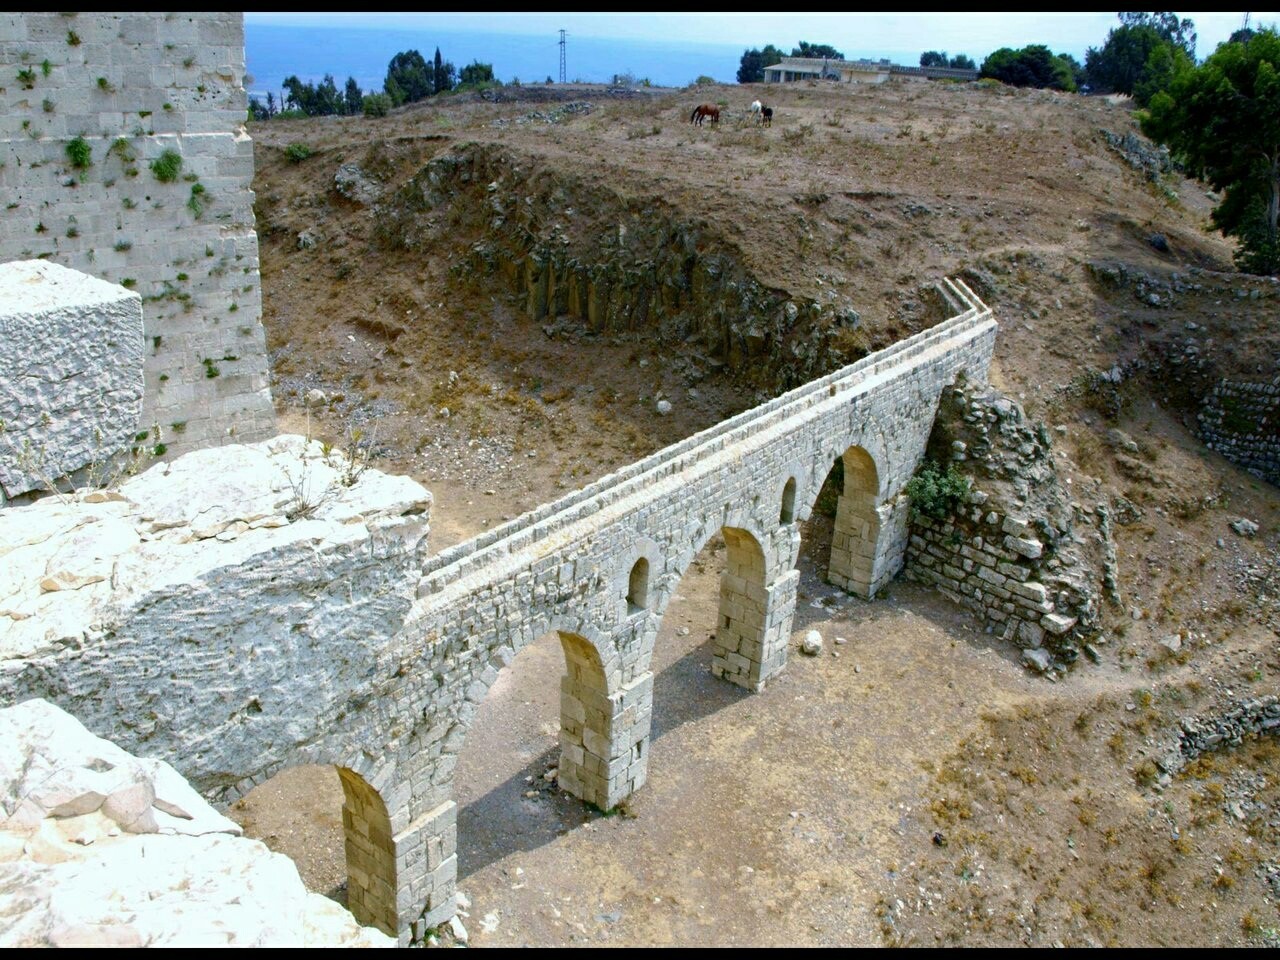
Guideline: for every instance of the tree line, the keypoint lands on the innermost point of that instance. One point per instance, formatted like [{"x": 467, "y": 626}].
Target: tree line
[
  {"x": 1220, "y": 118},
  {"x": 410, "y": 77}
]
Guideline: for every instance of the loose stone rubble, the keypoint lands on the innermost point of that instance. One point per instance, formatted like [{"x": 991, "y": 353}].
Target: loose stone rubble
[
  {"x": 1229, "y": 728},
  {"x": 101, "y": 848}
]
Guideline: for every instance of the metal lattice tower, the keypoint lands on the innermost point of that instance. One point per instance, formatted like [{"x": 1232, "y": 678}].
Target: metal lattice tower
[{"x": 562, "y": 74}]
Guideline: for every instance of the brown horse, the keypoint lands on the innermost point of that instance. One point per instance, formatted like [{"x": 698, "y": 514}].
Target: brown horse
[
  {"x": 703, "y": 111},
  {"x": 766, "y": 116}
]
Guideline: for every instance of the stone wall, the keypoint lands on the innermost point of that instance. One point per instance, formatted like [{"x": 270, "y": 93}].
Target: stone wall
[
  {"x": 1241, "y": 421},
  {"x": 88, "y": 102},
  {"x": 1016, "y": 551},
  {"x": 1216, "y": 731}
]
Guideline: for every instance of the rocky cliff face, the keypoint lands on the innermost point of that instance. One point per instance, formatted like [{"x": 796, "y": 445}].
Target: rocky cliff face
[
  {"x": 568, "y": 248},
  {"x": 101, "y": 848}
]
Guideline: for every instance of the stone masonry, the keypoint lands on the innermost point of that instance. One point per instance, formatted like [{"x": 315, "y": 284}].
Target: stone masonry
[
  {"x": 71, "y": 349},
  {"x": 390, "y": 703},
  {"x": 90, "y": 103},
  {"x": 1018, "y": 550},
  {"x": 1241, "y": 421}
]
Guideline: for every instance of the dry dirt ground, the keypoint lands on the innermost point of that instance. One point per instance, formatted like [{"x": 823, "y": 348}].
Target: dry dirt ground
[{"x": 913, "y": 784}]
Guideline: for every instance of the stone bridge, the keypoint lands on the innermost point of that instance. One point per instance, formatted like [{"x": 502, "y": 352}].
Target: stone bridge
[
  {"x": 345, "y": 649},
  {"x": 598, "y": 567}
]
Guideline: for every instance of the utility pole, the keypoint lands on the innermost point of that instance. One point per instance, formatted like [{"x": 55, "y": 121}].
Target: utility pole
[{"x": 562, "y": 74}]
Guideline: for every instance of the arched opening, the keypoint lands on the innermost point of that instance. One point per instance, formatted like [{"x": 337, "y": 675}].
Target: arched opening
[
  {"x": 335, "y": 827},
  {"x": 788, "y": 513},
  {"x": 546, "y": 737},
  {"x": 638, "y": 587},
  {"x": 842, "y": 538},
  {"x": 371, "y": 855}
]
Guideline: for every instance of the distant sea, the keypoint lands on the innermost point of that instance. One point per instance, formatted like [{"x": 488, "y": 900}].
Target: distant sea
[{"x": 276, "y": 51}]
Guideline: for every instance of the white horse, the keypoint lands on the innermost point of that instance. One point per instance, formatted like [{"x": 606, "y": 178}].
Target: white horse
[{"x": 756, "y": 107}]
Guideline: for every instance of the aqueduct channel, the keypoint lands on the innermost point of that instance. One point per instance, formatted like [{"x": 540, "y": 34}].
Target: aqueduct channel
[{"x": 598, "y": 568}]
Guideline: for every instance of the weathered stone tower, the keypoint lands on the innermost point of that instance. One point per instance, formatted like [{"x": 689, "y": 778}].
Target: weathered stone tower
[{"x": 123, "y": 154}]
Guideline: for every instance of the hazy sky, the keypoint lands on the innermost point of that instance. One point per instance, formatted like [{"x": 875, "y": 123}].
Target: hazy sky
[{"x": 976, "y": 34}]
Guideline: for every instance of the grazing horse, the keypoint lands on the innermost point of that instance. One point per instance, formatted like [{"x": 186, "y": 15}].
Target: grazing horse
[
  {"x": 703, "y": 111},
  {"x": 756, "y": 107},
  {"x": 766, "y": 116}
]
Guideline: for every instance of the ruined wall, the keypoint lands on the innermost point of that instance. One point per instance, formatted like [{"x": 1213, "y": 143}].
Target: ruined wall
[
  {"x": 1241, "y": 421},
  {"x": 1222, "y": 372},
  {"x": 88, "y": 102},
  {"x": 1016, "y": 551}
]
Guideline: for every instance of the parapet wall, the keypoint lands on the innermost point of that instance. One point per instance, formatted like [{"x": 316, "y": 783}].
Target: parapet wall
[{"x": 88, "y": 102}]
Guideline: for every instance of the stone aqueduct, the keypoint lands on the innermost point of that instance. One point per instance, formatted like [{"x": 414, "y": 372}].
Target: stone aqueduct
[
  {"x": 392, "y": 708},
  {"x": 598, "y": 568}
]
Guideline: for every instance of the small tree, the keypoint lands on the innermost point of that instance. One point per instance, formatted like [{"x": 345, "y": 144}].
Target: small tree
[
  {"x": 354, "y": 99},
  {"x": 933, "y": 58},
  {"x": 962, "y": 62},
  {"x": 1222, "y": 120},
  {"x": 442, "y": 74},
  {"x": 1032, "y": 66},
  {"x": 1121, "y": 64},
  {"x": 817, "y": 51},
  {"x": 751, "y": 66},
  {"x": 409, "y": 78},
  {"x": 476, "y": 72}
]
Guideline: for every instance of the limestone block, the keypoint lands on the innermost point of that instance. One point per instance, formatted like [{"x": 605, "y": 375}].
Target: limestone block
[{"x": 71, "y": 352}]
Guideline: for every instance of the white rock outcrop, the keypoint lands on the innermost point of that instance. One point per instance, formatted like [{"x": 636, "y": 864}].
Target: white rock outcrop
[
  {"x": 71, "y": 356},
  {"x": 101, "y": 848},
  {"x": 208, "y": 592}
]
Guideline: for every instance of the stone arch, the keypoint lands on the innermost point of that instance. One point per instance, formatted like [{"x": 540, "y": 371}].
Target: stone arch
[
  {"x": 603, "y": 738},
  {"x": 754, "y": 614},
  {"x": 864, "y": 541},
  {"x": 638, "y": 586},
  {"x": 372, "y": 876}
]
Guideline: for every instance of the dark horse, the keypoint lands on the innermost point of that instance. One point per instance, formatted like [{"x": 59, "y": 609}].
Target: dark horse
[
  {"x": 766, "y": 116},
  {"x": 702, "y": 111}
]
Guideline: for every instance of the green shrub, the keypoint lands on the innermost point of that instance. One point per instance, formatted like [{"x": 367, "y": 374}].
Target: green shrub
[
  {"x": 934, "y": 492},
  {"x": 167, "y": 166},
  {"x": 297, "y": 152},
  {"x": 376, "y": 105},
  {"x": 73, "y": 38},
  {"x": 196, "y": 201},
  {"x": 79, "y": 153},
  {"x": 120, "y": 147}
]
